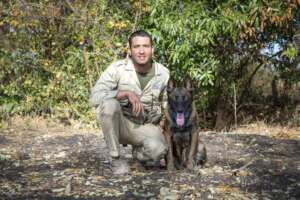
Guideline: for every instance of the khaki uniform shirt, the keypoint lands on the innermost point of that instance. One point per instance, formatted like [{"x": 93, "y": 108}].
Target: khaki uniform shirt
[{"x": 121, "y": 75}]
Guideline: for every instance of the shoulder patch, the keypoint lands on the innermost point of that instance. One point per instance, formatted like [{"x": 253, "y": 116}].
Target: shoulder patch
[{"x": 157, "y": 85}]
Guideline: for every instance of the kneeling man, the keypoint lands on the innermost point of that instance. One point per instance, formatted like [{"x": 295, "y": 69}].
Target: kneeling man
[{"x": 129, "y": 97}]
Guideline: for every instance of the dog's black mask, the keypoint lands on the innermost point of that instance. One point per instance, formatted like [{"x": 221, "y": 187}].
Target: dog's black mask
[{"x": 180, "y": 102}]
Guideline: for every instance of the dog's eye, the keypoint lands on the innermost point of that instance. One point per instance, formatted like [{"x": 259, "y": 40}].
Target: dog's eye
[{"x": 173, "y": 98}]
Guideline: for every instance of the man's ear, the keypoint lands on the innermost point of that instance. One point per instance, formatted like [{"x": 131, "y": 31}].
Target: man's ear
[
  {"x": 188, "y": 84},
  {"x": 129, "y": 50},
  {"x": 171, "y": 85}
]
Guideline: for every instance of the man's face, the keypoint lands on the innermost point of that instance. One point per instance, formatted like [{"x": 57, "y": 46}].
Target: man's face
[{"x": 141, "y": 50}]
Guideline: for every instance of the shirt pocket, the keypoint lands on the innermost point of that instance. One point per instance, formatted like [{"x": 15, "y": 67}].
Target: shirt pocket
[
  {"x": 156, "y": 89},
  {"x": 126, "y": 86}
]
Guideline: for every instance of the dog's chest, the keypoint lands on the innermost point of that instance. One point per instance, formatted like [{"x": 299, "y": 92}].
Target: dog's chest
[{"x": 182, "y": 138}]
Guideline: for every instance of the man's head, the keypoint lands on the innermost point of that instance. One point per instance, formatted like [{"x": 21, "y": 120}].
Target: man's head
[{"x": 140, "y": 47}]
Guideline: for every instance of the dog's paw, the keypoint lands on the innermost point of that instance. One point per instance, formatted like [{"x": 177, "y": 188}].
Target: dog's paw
[
  {"x": 190, "y": 165},
  {"x": 171, "y": 167}
]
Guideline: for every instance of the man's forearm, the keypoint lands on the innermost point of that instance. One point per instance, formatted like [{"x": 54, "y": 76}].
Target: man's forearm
[
  {"x": 133, "y": 99},
  {"x": 97, "y": 96},
  {"x": 122, "y": 94}
]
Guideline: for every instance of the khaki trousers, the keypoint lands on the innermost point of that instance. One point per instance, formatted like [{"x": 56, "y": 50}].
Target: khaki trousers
[{"x": 147, "y": 140}]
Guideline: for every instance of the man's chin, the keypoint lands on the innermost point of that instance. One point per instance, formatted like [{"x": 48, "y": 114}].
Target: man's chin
[{"x": 143, "y": 63}]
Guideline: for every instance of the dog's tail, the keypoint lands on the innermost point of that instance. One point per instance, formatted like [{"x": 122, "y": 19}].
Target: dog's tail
[{"x": 201, "y": 156}]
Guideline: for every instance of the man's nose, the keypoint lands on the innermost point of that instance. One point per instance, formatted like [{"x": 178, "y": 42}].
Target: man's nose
[{"x": 141, "y": 50}]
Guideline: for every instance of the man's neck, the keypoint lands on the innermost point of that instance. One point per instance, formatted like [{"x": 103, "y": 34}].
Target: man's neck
[{"x": 142, "y": 69}]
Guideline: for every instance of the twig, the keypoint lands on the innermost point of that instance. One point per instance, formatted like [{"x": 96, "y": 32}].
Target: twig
[
  {"x": 71, "y": 7},
  {"x": 243, "y": 167},
  {"x": 235, "y": 104},
  {"x": 86, "y": 63},
  {"x": 137, "y": 16}
]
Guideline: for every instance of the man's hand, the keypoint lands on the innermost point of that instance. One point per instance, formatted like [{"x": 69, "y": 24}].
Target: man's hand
[{"x": 137, "y": 106}]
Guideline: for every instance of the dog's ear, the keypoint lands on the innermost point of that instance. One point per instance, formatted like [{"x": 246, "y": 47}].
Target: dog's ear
[
  {"x": 171, "y": 85},
  {"x": 189, "y": 85}
]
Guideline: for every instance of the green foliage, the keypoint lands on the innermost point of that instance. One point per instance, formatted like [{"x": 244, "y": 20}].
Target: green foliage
[
  {"x": 219, "y": 43},
  {"x": 52, "y": 52},
  {"x": 290, "y": 52},
  {"x": 184, "y": 40}
]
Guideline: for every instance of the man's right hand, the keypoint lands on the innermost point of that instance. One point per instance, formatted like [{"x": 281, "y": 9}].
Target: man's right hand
[{"x": 137, "y": 106}]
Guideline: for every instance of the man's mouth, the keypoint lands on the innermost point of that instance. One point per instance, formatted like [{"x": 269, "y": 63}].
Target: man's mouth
[{"x": 142, "y": 57}]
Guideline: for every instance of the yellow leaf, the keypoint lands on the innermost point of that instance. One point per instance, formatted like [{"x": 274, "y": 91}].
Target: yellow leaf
[
  {"x": 227, "y": 189},
  {"x": 14, "y": 22},
  {"x": 81, "y": 40}
]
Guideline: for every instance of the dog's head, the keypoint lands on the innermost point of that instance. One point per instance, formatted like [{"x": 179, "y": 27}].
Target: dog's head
[{"x": 180, "y": 101}]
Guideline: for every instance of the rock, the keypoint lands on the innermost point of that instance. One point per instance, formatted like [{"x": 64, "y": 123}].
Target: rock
[
  {"x": 167, "y": 194},
  {"x": 61, "y": 155},
  {"x": 68, "y": 187}
]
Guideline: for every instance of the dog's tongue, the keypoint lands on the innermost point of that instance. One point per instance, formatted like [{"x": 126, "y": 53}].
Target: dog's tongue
[{"x": 180, "y": 119}]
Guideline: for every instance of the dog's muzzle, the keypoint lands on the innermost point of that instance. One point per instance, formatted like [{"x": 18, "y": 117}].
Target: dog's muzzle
[{"x": 180, "y": 119}]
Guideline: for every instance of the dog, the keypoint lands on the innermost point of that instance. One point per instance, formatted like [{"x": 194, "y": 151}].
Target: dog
[{"x": 180, "y": 128}]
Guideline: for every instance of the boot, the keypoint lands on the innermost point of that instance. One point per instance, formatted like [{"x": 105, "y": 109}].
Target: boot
[{"x": 119, "y": 166}]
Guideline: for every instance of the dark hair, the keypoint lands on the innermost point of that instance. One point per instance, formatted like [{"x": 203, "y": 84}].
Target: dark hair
[{"x": 141, "y": 33}]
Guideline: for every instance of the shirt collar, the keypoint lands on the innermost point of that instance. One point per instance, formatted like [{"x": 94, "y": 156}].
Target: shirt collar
[{"x": 129, "y": 66}]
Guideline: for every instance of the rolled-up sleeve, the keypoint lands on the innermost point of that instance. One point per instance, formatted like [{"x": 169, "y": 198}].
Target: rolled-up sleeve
[
  {"x": 164, "y": 95},
  {"x": 105, "y": 87}
]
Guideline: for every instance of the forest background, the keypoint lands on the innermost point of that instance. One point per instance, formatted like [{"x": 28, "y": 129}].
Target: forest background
[{"x": 241, "y": 55}]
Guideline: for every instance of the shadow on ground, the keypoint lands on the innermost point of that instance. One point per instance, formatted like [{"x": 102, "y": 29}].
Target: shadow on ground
[{"x": 75, "y": 166}]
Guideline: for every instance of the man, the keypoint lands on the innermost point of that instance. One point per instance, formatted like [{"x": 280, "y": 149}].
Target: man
[{"x": 129, "y": 97}]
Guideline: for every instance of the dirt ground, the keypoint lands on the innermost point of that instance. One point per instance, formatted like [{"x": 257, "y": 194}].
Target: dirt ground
[{"x": 42, "y": 159}]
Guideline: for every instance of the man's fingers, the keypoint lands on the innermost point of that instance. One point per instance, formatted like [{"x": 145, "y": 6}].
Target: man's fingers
[
  {"x": 139, "y": 110},
  {"x": 137, "y": 107}
]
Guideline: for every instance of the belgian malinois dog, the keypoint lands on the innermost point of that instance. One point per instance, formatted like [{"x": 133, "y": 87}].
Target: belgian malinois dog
[{"x": 180, "y": 128}]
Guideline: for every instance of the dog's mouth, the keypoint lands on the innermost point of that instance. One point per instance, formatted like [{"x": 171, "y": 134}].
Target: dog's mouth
[{"x": 180, "y": 119}]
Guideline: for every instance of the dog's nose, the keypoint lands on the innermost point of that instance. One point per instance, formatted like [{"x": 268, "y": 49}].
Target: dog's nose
[{"x": 180, "y": 109}]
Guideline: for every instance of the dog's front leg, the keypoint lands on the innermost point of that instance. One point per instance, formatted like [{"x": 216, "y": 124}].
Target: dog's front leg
[
  {"x": 193, "y": 149},
  {"x": 170, "y": 156}
]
